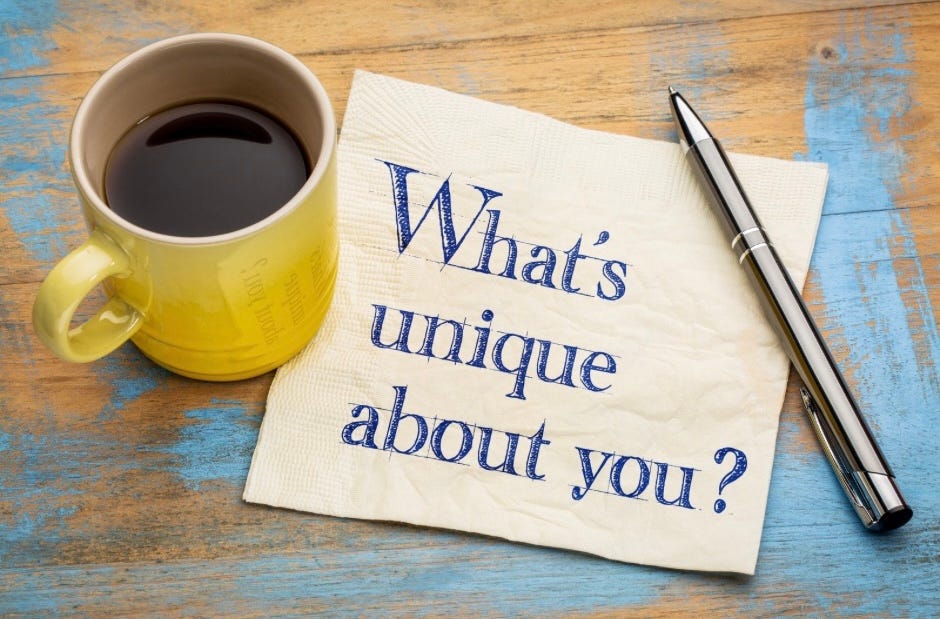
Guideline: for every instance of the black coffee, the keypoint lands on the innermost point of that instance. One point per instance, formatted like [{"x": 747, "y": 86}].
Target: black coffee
[{"x": 203, "y": 169}]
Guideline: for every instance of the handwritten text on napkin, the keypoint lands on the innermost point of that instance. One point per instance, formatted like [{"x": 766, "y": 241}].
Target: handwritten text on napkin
[{"x": 540, "y": 334}]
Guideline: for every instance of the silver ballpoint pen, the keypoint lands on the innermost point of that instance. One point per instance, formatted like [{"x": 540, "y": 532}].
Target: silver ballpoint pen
[{"x": 846, "y": 440}]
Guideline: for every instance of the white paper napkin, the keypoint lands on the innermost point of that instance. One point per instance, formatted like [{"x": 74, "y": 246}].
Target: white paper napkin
[{"x": 584, "y": 363}]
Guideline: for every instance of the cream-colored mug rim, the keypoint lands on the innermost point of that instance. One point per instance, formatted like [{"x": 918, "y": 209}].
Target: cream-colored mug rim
[{"x": 324, "y": 110}]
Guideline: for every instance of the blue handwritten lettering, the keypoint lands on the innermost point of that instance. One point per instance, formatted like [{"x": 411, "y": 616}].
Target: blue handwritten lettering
[
  {"x": 587, "y": 471},
  {"x": 362, "y": 433},
  {"x": 490, "y": 239},
  {"x": 662, "y": 469},
  {"x": 442, "y": 200},
  {"x": 511, "y": 354},
  {"x": 540, "y": 271},
  {"x": 421, "y": 426},
  {"x": 616, "y": 476},
  {"x": 643, "y": 477}
]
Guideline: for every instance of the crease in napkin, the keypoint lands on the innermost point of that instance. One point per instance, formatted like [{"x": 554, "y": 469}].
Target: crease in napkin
[{"x": 538, "y": 333}]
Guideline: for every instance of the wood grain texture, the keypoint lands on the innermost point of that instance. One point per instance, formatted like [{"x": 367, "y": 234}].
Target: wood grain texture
[{"x": 120, "y": 483}]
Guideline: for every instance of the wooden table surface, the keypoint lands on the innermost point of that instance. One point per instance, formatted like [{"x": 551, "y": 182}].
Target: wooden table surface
[{"x": 120, "y": 483}]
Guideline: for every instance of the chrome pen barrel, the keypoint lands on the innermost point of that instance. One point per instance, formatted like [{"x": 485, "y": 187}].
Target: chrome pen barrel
[{"x": 853, "y": 453}]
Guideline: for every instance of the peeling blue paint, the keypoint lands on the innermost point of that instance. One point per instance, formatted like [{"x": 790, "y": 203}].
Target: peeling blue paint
[
  {"x": 23, "y": 41},
  {"x": 851, "y": 110},
  {"x": 36, "y": 178},
  {"x": 848, "y": 112},
  {"x": 697, "y": 64},
  {"x": 36, "y": 195},
  {"x": 34, "y": 134},
  {"x": 358, "y": 582},
  {"x": 130, "y": 375},
  {"x": 40, "y": 482},
  {"x": 217, "y": 445},
  {"x": 517, "y": 580}
]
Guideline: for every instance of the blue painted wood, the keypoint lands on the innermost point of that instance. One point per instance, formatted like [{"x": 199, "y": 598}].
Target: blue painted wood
[{"x": 120, "y": 483}]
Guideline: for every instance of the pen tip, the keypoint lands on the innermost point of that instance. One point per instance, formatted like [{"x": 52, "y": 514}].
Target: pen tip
[{"x": 673, "y": 91}]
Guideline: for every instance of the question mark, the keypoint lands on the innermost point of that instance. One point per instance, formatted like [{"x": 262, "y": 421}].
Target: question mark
[{"x": 740, "y": 465}]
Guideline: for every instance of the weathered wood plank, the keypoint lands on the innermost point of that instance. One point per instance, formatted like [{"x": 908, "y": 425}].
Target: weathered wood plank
[
  {"x": 120, "y": 483},
  {"x": 326, "y": 27},
  {"x": 750, "y": 84}
]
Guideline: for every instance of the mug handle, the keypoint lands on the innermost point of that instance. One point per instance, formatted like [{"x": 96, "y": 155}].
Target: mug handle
[{"x": 64, "y": 289}]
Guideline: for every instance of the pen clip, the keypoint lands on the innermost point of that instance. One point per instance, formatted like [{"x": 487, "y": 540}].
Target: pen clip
[{"x": 833, "y": 453}]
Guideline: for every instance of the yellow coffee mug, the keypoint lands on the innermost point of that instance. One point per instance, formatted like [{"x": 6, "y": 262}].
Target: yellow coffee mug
[{"x": 222, "y": 307}]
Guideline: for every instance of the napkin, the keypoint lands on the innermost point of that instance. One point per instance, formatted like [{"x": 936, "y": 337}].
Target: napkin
[{"x": 538, "y": 333}]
